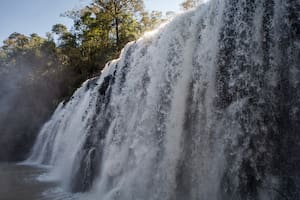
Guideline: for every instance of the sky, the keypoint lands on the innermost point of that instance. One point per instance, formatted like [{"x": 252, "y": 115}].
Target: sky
[{"x": 38, "y": 16}]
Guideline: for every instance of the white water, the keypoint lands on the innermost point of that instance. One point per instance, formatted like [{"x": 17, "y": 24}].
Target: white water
[{"x": 167, "y": 120}]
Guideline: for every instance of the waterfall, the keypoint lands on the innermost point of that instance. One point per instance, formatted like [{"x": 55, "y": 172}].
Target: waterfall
[{"x": 207, "y": 107}]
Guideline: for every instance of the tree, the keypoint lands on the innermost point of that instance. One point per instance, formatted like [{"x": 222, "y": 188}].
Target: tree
[
  {"x": 103, "y": 28},
  {"x": 188, "y": 4},
  {"x": 30, "y": 88},
  {"x": 15, "y": 42},
  {"x": 121, "y": 15},
  {"x": 151, "y": 20},
  {"x": 59, "y": 29}
]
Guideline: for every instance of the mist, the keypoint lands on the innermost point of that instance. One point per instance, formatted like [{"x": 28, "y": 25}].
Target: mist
[{"x": 26, "y": 102}]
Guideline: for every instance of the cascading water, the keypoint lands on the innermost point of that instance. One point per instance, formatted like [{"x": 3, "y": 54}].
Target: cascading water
[{"x": 207, "y": 107}]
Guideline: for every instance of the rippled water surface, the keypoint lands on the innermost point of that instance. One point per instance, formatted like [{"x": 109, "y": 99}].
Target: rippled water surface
[{"x": 20, "y": 182}]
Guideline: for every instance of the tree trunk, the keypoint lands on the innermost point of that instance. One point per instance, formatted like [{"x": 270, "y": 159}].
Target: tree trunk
[{"x": 117, "y": 27}]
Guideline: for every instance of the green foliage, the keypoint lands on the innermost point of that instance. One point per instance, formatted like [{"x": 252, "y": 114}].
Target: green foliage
[
  {"x": 151, "y": 20},
  {"x": 188, "y": 4},
  {"x": 30, "y": 85},
  {"x": 59, "y": 29},
  {"x": 101, "y": 30}
]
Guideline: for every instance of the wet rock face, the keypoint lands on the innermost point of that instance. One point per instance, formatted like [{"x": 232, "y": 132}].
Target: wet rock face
[
  {"x": 90, "y": 155},
  {"x": 207, "y": 108},
  {"x": 270, "y": 116}
]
